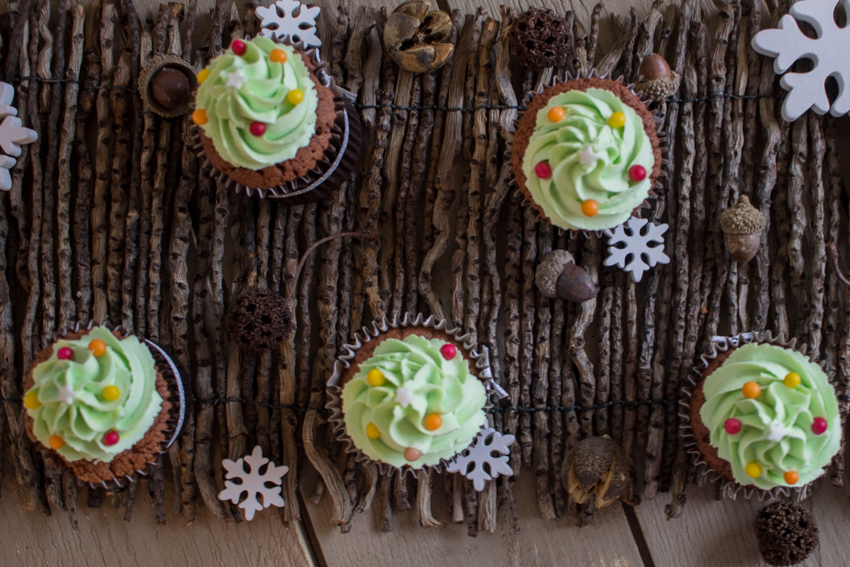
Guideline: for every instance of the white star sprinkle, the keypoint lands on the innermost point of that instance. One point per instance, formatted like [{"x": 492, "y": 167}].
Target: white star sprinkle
[
  {"x": 236, "y": 79},
  {"x": 587, "y": 156},
  {"x": 403, "y": 397},
  {"x": 776, "y": 431},
  {"x": 66, "y": 394}
]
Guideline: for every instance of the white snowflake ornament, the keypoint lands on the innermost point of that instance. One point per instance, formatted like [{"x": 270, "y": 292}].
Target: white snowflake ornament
[
  {"x": 829, "y": 53},
  {"x": 293, "y": 19},
  {"x": 12, "y": 135},
  {"x": 484, "y": 459},
  {"x": 253, "y": 483},
  {"x": 642, "y": 249}
]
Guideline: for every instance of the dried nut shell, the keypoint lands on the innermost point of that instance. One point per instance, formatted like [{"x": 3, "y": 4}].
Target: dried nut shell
[
  {"x": 148, "y": 82},
  {"x": 550, "y": 270},
  {"x": 575, "y": 284},
  {"x": 742, "y": 247},
  {"x": 653, "y": 67},
  {"x": 742, "y": 218},
  {"x": 540, "y": 38},
  {"x": 596, "y": 468},
  {"x": 660, "y": 89},
  {"x": 416, "y": 37}
]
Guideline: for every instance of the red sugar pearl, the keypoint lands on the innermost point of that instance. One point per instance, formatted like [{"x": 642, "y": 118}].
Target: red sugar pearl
[
  {"x": 448, "y": 351},
  {"x": 238, "y": 46},
  {"x": 637, "y": 173},
  {"x": 732, "y": 426},
  {"x": 111, "y": 438},
  {"x": 65, "y": 353},
  {"x": 258, "y": 129},
  {"x": 543, "y": 170},
  {"x": 819, "y": 426}
]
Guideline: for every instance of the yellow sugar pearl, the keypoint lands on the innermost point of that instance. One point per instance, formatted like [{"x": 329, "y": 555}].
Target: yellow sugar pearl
[
  {"x": 31, "y": 400},
  {"x": 200, "y": 117},
  {"x": 372, "y": 431},
  {"x": 111, "y": 393},
  {"x": 753, "y": 470},
  {"x": 617, "y": 120},
  {"x": 56, "y": 442},
  {"x": 278, "y": 55},
  {"x": 295, "y": 96},
  {"x": 375, "y": 377},
  {"x": 203, "y": 75},
  {"x": 792, "y": 380},
  {"x": 556, "y": 114}
]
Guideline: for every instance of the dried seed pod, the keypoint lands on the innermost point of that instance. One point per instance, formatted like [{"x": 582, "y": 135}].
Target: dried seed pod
[
  {"x": 558, "y": 276},
  {"x": 259, "y": 320},
  {"x": 166, "y": 85},
  {"x": 596, "y": 467},
  {"x": 540, "y": 39},
  {"x": 416, "y": 37},
  {"x": 656, "y": 81},
  {"x": 787, "y": 533},
  {"x": 742, "y": 225}
]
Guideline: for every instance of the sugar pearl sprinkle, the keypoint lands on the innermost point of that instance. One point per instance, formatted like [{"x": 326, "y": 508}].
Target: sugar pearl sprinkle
[
  {"x": 556, "y": 114},
  {"x": 819, "y": 426},
  {"x": 372, "y": 431},
  {"x": 111, "y": 438},
  {"x": 617, "y": 120},
  {"x": 295, "y": 96},
  {"x": 375, "y": 378},
  {"x": 753, "y": 470},
  {"x": 751, "y": 390},
  {"x": 111, "y": 393},
  {"x": 65, "y": 353},
  {"x": 278, "y": 56},
  {"x": 791, "y": 477},
  {"x": 238, "y": 47},
  {"x": 590, "y": 208},
  {"x": 433, "y": 422},
  {"x": 543, "y": 170},
  {"x": 97, "y": 347},
  {"x": 637, "y": 173},
  {"x": 257, "y": 129},
  {"x": 448, "y": 351},
  {"x": 31, "y": 401},
  {"x": 732, "y": 426},
  {"x": 200, "y": 117},
  {"x": 792, "y": 380},
  {"x": 411, "y": 454},
  {"x": 203, "y": 75},
  {"x": 56, "y": 442}
]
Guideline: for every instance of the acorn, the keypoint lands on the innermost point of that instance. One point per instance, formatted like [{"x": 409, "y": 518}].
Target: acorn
[
  {"x": 787, "y": 533},
  {"x": 656, "y": 81},
  {"x": 166, "y": 84},
  {"x": 742, "y": 225},
  {"x": 416, "y": 37},
  {"x": 595, "y": 468},
  {"x": 558, "y": 276}
]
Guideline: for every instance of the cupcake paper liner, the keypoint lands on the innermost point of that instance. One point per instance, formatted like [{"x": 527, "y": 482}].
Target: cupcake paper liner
[
  {"x": 344, "y": 362},
  {"x": 178, "y": 397},
  {"x": 730, "y": 489},
  {"x": 659, "y": 132},
  {"x": 341, "y": 157}
]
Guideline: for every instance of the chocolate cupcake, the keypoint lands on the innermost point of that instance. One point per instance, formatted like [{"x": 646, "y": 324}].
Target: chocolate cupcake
[
  {"x": 270, "y": 120},
  {"x": 409, "y": 395},
  {"x": 761, "y": 416},
  {"x": 103, "y": 404},
  {"x": 586, "y": 154}
]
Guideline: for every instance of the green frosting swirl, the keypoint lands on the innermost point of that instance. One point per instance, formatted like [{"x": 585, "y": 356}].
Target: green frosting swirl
[
  {"x": 72, "y": 402},
  {"x": 603, "y": 178},
  {"x": 415, "y": 369},
  {"x": 260, "y": 97},
  {"x": 776, "y": 427}
]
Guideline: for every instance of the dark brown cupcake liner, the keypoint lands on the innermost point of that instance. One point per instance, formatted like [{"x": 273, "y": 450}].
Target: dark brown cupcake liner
[
  {"x": 340, "y": 158},
  {"x": 729, "y": 489},
  {"x": 178, "y": 397},
  {"x": 333, "y": 401},
  {"x": 659, "y": 132}
]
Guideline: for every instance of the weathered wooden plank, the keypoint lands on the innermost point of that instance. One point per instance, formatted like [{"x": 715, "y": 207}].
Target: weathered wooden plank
[
  {"x": 104, "y": 538},
  {"x": 608, "y": 541}
]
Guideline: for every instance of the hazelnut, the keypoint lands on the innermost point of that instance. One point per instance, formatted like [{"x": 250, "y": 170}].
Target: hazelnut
[
  {"x": 416, "y": 38},
  {"x": 558, "y": 276},
  {"x": 742, "y": 225},
  {"x": 656, "y": 81}
]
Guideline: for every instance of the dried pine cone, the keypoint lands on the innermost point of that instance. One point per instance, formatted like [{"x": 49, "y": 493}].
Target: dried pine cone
[
  {"x": 259, "y": 320},
  {"x": 539, "y": 38},
  {"x": 787, "y": 533}
]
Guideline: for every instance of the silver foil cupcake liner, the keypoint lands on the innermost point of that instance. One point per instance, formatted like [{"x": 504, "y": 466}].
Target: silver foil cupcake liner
[
  {"x": 333, "y": 401},
  {"x": 340, "y": 158},
  {"x": 659, "y": 132},
  {"x": 730, "y": 489},
  {"x": 179, "y": 398}
]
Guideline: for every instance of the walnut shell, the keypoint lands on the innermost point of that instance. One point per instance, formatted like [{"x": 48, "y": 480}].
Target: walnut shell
[
  {"x": 416, "y": 37},
  {"x": 596, "y": 468}
]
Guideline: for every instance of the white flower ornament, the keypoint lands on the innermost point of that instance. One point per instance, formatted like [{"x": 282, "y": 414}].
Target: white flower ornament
[
  {"x": 830, "y": 53},
  {"x": 253, "y": 483}
]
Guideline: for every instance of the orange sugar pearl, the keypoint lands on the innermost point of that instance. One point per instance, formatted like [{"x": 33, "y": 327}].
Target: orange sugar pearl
[
  {"x": 751, "y": 390},
  {"x": 278, "y": 55},
  {"x": 203, "y": 75},
  {"x": 200, "y": 117},
  {"x": 97, "y": 347},
  {"x": 590, "y": 208},
  {"x": 31, "y": 400},
  {"x": 56, "y": 442},
  {"x": 433, "y": 422},
  {"x": 556, "y": 114},
  {"x": 791, "y": 477}
]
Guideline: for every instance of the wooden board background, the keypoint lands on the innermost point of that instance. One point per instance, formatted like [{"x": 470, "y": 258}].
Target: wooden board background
[{"x": 710, "y": 532}]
